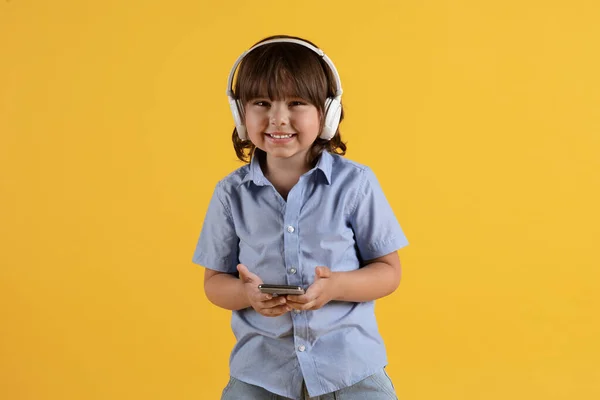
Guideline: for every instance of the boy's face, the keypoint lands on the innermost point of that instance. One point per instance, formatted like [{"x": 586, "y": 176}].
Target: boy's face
[{"x": 282, "y": 128}]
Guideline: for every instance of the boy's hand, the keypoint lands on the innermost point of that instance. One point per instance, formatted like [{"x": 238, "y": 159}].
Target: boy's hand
[
  {"x": 263, "y": 303},
  {"x": 318, "y": 294}
]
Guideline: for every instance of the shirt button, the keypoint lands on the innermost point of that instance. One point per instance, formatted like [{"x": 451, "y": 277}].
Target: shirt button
[
  {"x": 301, "y": 347},
  {"x": 292, "y": 270},
  {"x": 297, "y": 311},
  {"x": 290, "y": 229}
]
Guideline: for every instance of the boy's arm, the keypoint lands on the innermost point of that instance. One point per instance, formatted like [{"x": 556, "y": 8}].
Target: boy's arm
[
  {"x": 225, "y": 290},
  {"x": 378, "y": 278}
]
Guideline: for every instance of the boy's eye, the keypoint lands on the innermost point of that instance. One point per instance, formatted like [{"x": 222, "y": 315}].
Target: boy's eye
[{"x": 267, "y": 103}]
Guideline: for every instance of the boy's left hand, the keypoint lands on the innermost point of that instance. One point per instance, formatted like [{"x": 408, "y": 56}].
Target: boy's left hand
[{"x": 318, "y": 294}]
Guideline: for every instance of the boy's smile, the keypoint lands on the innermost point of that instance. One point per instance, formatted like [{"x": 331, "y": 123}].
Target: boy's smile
[{"x": 280, "y": 137}]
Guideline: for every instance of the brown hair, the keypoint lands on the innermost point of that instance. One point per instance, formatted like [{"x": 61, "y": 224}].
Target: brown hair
[{"x": 276, "y": 70}]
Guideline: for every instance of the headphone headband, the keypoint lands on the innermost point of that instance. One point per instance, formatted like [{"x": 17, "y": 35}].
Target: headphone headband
[{"x": 338, "y": 83}]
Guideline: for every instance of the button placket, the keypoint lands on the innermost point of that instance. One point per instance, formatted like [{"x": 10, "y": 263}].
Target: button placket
[{"x": 292, "y": 261}]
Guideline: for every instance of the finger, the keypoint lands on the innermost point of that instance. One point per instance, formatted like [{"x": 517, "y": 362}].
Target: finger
[
  {"x": 309, "y": 303},
  {"x": 273, "y": 303},
  {"x": 246, "y": 275},
  {"x": 304, "y": 298},
  {"x": 295, "y": 306},
  {"x": 299, "y": 305},
  {"x": 302, "y": 306},
  {"x": 275, "y": 311},
  {"x": 322, "y": 272},
  {"x": 260, "y": 297},
  {"x": 243, "y": 272}
]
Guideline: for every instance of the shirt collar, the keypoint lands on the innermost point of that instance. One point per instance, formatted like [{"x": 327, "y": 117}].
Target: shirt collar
[
  {"x": 325, "y": 164},
  {"x": 256, "y": 175}
]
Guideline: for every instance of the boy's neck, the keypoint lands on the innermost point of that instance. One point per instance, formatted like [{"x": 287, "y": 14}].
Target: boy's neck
[{"x": 284, "y": 173}]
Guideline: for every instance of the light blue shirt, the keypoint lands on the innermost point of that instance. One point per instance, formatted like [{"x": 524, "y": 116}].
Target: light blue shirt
[{"x": 336, "y": 216}]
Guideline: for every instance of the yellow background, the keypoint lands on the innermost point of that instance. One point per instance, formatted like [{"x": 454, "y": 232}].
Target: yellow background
[{"x": 481, "y": 120}]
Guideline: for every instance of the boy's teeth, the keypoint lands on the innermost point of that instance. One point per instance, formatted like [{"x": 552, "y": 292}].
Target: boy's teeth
[{"x": 280, "y": 136}]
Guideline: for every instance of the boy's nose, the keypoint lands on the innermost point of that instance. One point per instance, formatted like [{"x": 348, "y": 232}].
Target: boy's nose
[{"x": 279, "y": 115}]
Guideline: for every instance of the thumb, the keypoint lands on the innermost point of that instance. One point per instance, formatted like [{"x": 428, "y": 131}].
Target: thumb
[
  {"x": 245, "y": 275},
  {"x": 322, "y": 272}
]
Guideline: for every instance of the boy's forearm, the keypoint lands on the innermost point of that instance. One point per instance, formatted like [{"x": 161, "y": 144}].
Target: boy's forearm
[
  {"x": 368, "y": 283},
  {"x": 226, "y": 291}
]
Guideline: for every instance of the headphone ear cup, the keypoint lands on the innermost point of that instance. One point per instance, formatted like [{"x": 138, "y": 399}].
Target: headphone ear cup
[
  {"x": 333, "y": 112},
  {"x": 242, "y": 133},
  {"x": 237, "y": 111}
]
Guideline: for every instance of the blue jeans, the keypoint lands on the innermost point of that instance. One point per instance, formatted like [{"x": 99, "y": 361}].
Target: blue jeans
[{"x": 375, "y": 387}]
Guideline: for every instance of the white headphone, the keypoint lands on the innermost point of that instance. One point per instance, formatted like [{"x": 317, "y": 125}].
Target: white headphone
[{"x": 333, "y": 105}]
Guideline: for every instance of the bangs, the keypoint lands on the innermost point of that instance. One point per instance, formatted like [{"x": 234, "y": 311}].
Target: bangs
[
  {"x": 277, "y": 84},
  {"x": 281, "y": 71}
]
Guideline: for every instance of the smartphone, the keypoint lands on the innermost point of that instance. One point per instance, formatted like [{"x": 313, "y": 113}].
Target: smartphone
[{"x": 276, "y": 290}]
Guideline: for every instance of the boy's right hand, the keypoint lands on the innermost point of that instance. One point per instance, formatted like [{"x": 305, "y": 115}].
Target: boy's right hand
[{"x": 264, "y": 304}]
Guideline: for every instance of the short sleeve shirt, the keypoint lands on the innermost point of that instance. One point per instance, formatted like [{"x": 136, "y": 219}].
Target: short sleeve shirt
[{"x": 335, "y": 216}]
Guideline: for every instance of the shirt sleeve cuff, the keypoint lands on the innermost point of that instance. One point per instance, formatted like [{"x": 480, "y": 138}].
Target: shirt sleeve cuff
[
  {"x": 385, "y": 247},
  {"x": 222, "y": 265}
]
